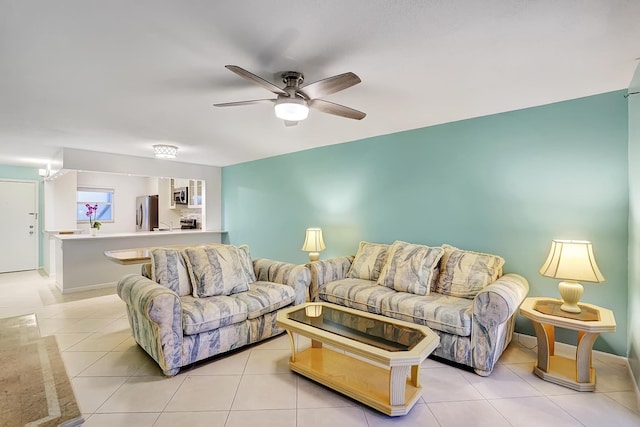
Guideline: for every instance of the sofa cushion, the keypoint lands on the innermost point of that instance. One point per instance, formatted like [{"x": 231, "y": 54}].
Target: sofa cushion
[
  {"x": 169, "y": 270},
  {"x": 368, "y": 261},
  {"x": 205, "y": 314},
  {"x": 464, "y": 273},
  {"x": 360, "y": 294},
  {"x": 247, "y": 263},
  {"x": 439, "y": 312},
  {"x": 215, "y": 270},
  {"x": 410, "y": 267},
  {"x": 265, "y": 297}
]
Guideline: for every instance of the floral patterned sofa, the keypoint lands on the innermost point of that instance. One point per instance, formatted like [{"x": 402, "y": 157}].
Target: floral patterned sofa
[
  {"x": 461, "y": 295},
  {"x": 191, "y": 304}
]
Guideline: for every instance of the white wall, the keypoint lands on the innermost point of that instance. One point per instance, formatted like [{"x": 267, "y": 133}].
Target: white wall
[
  {"x": 73, "y": 159},
  {"x": 60, "y": 202},
  {"x": 126, "y": 189}
]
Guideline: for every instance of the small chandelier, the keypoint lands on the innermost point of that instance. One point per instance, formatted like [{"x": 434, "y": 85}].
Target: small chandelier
[{"x": 163, "y": 151}]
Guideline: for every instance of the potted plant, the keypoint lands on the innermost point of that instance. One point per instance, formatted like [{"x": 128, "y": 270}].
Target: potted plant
[{"x": 92, "y": 212}]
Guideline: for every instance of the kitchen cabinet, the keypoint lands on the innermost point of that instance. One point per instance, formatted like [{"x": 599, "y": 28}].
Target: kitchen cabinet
[{"x": 196, "y": 192}]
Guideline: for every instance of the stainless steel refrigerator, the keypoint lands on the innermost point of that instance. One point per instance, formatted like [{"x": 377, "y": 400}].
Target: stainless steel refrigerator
[{"x": 146, "y": 213}]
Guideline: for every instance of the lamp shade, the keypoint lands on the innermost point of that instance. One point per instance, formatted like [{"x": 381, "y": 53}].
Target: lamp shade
[
  {"x": 572, "y": 260},
  {"x": 313, "y": 241}
]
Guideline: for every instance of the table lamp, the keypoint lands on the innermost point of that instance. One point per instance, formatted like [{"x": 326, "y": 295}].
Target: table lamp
[
  {"x": 571, "y": 261},
  {"x": 313, "y": 243}
]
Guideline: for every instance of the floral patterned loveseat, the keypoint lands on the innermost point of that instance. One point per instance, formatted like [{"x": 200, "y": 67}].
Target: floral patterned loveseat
[
  {"x": 461, "y": 295},
  {"x": 193, "y": 303}
]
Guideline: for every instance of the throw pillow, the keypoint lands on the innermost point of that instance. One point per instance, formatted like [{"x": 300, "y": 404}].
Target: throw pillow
[
  {"x": 369, "y": 261},
  {"x": 169, "y": 270},
  {"x": 215, "y": 270},
  {"x": 410, "y": 267},
  {"x": 247, "y": 263},
  {"x": 465, "y": 273}
]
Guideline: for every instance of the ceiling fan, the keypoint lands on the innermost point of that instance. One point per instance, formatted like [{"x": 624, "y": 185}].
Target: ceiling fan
[{"x": 293, "y": 101}]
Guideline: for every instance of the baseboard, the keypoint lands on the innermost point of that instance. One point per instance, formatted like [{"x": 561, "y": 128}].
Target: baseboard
[
  {"x": 87, "y": 288},
  {"x": 531, "y": 342}
]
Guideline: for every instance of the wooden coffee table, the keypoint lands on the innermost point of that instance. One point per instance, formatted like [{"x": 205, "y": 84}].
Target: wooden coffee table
[{"x": 381, "y": 363}]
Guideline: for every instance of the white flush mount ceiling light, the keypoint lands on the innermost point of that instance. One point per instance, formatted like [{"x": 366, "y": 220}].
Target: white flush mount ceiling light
[
  {"x": 292, "y": 109},
  {"x": 163, "y": 151}
]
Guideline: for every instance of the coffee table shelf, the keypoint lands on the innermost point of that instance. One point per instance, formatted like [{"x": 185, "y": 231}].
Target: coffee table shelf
[{"x": 360, "y": 380}]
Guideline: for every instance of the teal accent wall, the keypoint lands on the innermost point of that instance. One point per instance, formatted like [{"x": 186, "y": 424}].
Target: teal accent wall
[
  {"x": 31, "y": 174},
  {"x": 506, "y": 184},
  {"x": 634, "y": 227}
]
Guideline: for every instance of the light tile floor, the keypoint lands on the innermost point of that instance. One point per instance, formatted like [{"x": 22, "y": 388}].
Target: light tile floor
[{"x": 117, "y": 384}]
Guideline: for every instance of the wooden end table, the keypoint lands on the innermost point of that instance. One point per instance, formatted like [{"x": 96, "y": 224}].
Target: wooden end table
[{"x": 578, "y": 373}]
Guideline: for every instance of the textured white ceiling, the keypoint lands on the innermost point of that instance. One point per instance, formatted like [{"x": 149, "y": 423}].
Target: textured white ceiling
[{"x": 120, "y": 76}]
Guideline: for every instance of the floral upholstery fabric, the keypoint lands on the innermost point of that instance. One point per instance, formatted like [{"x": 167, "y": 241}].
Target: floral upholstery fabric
[
  {"x": 296, "y": 276},
  {"x": 263, "y": 327},
  {"x": 215, "y": 270},
  {"x": 360, "y": 294},
  {"x": 489, "y": 317},
  {"x": 464, "y": 273},
  {"x": 169, "y": 270},
  {"x": 369, "y": 261},
  {"x": 247, "y": 264},
  {"x": 327, "y": 270},
  {"x": 226, "y": 338},
  {"x": 205, "y": 344},
  {"x": 410, "y": 268},
  {"x": 204, "y": 314},
  {"x": 441, "y": 312},
  {"x": 155, "y": 318},
  {"x": 157, "y": 314},
  {"x": 265, "y": 297}
]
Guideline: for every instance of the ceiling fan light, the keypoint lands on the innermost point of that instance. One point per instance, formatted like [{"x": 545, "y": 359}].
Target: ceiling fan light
[
  {"x": 292, "y": 109},
  {"x": 164, "y": 151}
]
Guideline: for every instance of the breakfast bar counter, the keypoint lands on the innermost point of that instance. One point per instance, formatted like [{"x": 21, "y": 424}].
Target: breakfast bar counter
[
  {"x": 137, "y": 255},
  {"x": 82, "y": 263}
]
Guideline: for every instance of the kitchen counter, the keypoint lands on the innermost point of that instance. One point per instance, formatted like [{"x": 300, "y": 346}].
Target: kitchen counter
[
  {"x": 135, "y": 255},
  {"x": 81, "y": 264},
  {"x": 163, "y": 234}
]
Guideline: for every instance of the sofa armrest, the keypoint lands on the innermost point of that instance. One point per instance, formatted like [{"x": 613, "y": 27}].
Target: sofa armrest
[
  {"x": 493, "y": 309},
  {"x": 327, "y": 270},
  {"x": 296, "y": 276},
  {"x": 155, "y": 316}
]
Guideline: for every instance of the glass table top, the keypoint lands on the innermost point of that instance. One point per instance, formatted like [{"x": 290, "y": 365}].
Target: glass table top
[{"x": 382, "y": 334}]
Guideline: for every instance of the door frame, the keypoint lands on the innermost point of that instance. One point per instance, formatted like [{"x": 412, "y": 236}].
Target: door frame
[{"x": 38, "y": 215}]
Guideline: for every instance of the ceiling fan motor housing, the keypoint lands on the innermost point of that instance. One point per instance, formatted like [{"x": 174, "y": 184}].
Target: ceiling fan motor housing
[{"x": 292, "y": 79}]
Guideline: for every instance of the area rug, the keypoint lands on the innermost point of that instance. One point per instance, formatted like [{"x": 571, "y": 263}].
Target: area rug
[{"x": 34, "y": 386}]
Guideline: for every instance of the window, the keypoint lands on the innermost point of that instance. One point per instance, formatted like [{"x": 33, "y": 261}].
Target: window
[{"x": 94, "y": 196}]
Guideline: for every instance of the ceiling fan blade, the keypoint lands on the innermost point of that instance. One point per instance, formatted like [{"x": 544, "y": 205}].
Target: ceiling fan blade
[
  {"x": 289, "y": 123},
  {"x": 336, "y": 109},
  {"x": 252, "y": 102},
  {"x": 255, "y": 79},
  {"x": 330, "y": 85}
]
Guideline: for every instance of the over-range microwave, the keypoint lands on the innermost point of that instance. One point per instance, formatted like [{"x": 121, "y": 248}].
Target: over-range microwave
[{"x": 181, "y": 195}]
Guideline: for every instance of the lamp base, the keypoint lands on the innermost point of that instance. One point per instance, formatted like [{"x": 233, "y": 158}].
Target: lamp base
[
  {"x": 571, "y": 292},
  {"x": 314, "y": 256}
]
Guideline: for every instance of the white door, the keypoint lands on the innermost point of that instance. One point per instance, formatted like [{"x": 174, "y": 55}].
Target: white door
[{"x": 18, "y": 226}]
